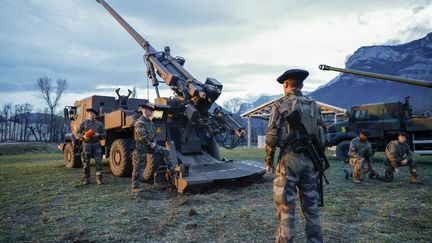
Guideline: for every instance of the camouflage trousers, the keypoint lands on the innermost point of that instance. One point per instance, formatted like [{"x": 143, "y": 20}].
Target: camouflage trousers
[
  {"x": 360, "y": 168},
  {"x": 389, "y": 170},
  {"x": 89, "y": 150},
  {"x": 296, "y": 173},
  {"x": 156, "y": 158},
  {"x": 139, "y": 158}
]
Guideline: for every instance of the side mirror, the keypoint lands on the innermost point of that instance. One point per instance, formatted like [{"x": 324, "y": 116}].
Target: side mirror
[
  {"x": 351, "y": 116},
  {"x": 66, "y": 113}
]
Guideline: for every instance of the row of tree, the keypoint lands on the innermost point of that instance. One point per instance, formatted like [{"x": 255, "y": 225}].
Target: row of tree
[{"x": 19, "y": 123}]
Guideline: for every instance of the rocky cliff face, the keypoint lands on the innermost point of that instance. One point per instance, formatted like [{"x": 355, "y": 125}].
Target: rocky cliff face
[{"x": 410, "y": 60}]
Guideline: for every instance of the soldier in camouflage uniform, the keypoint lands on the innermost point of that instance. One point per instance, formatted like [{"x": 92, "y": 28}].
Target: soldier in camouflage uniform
[
  {"x": 397, "y": 154},
  {"x": 91, "y": 145},
  {"x": 360, "y": 157},
  {"x": 294, "y": 170},
  {"x": 145, "y": 144}
]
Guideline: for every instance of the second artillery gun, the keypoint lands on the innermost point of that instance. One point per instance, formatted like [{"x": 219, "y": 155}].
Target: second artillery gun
[{"x": 190, "y": 124}]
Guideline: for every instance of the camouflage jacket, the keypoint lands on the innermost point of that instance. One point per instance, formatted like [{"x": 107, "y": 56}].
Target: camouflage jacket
[
  {"x": 278, "y": 129},
  {"x": 359, "y": 150},
  {"x": 395, "y": 152},
  {"x": 97, "y": 127},
  {"x": 144, "y": 133}
]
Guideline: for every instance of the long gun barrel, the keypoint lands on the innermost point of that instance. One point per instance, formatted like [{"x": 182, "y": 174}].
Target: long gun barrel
[
  {"x": 379, "y": 76},
  {"x": 197, "y": 96}
]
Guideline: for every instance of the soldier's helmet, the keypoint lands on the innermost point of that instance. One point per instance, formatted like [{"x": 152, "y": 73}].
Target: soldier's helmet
[{"x": 295, "y": 74}]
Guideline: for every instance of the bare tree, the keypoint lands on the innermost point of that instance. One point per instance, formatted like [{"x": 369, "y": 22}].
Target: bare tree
[
  {"x": 17, "y": 121},
  {"x": 6, "y": 109},
  {"x": 27, "y": 109},
  {"x": 134, "y": 92},
  {"x": 52, "y": 96}
]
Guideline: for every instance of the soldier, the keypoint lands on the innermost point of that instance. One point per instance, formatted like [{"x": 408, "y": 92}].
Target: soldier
[
  {"x": 397, "y": 154},
  {"x": 360, "y": 157},
  {"x": 145, "y": 143},
  {"x": 294, "y": 169},
  {"x": 91, "y": 131}
]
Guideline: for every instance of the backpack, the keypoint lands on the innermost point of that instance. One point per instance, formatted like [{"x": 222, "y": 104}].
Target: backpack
[{"x": 310, "y": 117}]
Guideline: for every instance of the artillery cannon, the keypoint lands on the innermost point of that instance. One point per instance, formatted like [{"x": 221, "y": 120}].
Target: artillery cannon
[{"x": 184, "y": 123}]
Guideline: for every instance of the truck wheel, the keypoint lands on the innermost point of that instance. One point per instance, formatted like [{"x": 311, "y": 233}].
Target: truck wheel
[
  {"x": 342, "y": 150},
  {"x": 120, "y": 158},
  {"x": 72, "y": 159}
]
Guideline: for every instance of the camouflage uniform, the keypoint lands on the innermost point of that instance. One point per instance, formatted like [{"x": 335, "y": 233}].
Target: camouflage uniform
[
  {"x": 293, "y": 170},
  {"x": 396, "y": 152},
  {"x": 142, "y": 155},
  {"x": 360, "y": 157},
  {"x": 91, "y": 146}
]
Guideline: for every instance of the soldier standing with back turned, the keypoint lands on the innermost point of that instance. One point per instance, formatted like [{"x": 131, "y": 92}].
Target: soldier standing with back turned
[
  {"x": 91, "y": 131},
  {"x": 294, "y": 170}
]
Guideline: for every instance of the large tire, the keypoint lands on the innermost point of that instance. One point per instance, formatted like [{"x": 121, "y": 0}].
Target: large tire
[
  {"x": 120, "y": 158},
  {"x": 342, "y": 150},
  {"x": 72, "y": 158}
]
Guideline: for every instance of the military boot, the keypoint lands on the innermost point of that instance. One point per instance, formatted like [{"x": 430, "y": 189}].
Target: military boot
[
  {"x": 355, "y": 177},
  {"x": 347, "y": 175},
  {"x": 373, "y": 174},
  {"x": 85, "y": 181},
  {"x": 136, "y": 190},
  {"x": 413, "y": 179},
  {"x": 99, "y": 180}
]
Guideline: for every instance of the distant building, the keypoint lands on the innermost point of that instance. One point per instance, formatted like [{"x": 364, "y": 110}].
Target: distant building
[{"x": 330, "y": 113}]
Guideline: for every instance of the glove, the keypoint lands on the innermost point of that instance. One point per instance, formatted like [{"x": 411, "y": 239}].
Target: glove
[
  {"x": 269, "y": 168},
  {"x": 396, "y": 170},
  {"x": 153, "y": 145}
]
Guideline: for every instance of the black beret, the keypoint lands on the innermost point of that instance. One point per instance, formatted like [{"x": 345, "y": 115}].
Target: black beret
[
  {"x": 404, "y": 134},
  {"x": 296, "y": 74},
  {"x": 92, "y": 111},
  {"x": 364, "y": 131}
]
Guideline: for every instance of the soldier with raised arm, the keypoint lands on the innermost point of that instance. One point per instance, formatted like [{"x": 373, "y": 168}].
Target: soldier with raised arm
[
  {"x": 91, "y": 131},
  {"x": 295, "y": 170}
]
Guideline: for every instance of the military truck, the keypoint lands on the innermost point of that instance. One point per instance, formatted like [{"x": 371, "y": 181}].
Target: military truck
[
  {"x": 190, "y": 124},
  {"x": 118, "y": 116},
  {"x": 382, "y": 120}
]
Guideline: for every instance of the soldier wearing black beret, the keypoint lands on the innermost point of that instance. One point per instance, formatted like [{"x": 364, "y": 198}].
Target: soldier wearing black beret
[{"x": 294, "y": 170}]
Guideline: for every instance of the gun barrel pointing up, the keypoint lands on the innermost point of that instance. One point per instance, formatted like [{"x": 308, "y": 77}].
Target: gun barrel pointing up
[
  {"x": 379, "y": 76},
  {"x": 143, "y": 42}
]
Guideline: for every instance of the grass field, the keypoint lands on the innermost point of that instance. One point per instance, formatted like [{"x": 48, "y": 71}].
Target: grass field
[{"x": 41, "y": 200}]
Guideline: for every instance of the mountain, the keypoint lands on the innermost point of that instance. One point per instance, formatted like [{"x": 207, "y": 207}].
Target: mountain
[{"x": 410, "y": 60}]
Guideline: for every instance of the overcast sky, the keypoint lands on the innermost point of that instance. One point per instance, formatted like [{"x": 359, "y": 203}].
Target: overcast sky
[{"x": 245, "y": 44}]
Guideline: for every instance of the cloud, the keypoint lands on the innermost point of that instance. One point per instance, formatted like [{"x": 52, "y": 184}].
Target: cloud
[{"x": 244, "y": 44}]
